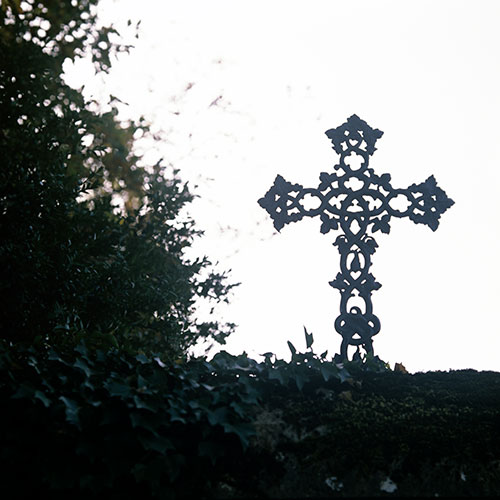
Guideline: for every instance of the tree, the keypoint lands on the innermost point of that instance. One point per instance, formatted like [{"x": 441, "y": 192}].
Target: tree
[{"x": 73, "y": 264}]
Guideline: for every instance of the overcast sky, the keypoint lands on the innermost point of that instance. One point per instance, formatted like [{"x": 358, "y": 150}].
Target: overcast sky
[{"x": 245, "y": 91}]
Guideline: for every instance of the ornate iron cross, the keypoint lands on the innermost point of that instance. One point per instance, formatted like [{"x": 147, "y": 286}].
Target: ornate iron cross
[{"x": 355, "y": 199}]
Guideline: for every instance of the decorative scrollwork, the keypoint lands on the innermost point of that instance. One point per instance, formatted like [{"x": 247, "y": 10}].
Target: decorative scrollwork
[{"x": 355, "y": 200}]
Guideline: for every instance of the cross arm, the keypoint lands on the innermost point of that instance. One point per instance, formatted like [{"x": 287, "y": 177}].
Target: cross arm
[{"x": 426, "y": 203}]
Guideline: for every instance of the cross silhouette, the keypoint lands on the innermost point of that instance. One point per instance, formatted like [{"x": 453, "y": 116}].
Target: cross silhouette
[{"x": 355, "y": 200}]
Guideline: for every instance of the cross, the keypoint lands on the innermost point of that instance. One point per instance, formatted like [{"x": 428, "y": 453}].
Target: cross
[{"x": 356, "y": 200}]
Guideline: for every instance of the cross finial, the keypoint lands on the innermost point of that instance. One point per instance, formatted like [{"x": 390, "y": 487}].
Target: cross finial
[
  {"x": 359, "y": 209},
  {"x": 351, "y": 134}
]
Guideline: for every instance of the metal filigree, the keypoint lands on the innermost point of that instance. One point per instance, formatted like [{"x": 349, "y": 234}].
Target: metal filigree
[{"x": 355, "y": 200}]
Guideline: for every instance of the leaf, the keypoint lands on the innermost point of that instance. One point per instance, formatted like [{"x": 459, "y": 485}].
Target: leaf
[
  {"x": 300, "y": 380},
  {"x": 140, "y": 404},
  {"x": 328, "y": 371},
  {"x": 43, "y": 398},
  {"x": 156, "y": 443},
  {"x": 142, "y": 359},
  {"x": 218, "y": 416},
  {"x": 277, "y": 374},
  {"x": 292, "y": 348},
  {"x": 116, "y": 389},
  {"x": 357, "y": 356},
  {"x": 72, "y": 410},
  {"x": 160, "y": 363},
  {"x": 53, "y": 356},
  {"x": 175, "y": 415},
  {"x": 243, "y": 431},
  {"x": 145, "y": 421},
  {"x": 238, "y": 409},
  {"x": 33, "y": 362},
  {"x": 81, "y": 348},
  {"x": 79, "y": 363},
  {"x": 309, "y": 338},
  {"x": 344, "y": 375},
  {"x": 267, "y": 357},
  {"x": 142, "y": 385}
]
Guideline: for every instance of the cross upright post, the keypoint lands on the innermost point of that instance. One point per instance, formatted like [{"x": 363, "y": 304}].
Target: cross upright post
[{"x": 356, "y": 200}]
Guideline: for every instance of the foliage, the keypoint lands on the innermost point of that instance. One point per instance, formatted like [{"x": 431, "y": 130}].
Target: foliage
[
  {"x": 87, "y": 423},
  {"x": 99, "y": 421},
  {"x": 74, "y": 263},
  {"x": 104, "y": 421},
  {"x": 423, "y": 435}
]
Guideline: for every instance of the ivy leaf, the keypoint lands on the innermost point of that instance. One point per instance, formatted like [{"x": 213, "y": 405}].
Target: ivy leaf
[
  {"x": 79, "y": 363},
  {"x": 53, "y": 356},
  {"x": 329, "y": 370},
  {"x": 142, "y": 385},
  {"x": 309, "y": 338},
  {"x": 156, "y": 443},
  {"x": 146, "y": 421},
  {"x": 292, "y": 348},
  {"x": 81, "y": 348},
  {"x": 72, "y": 410},
  {"x": 344, "y": 375},
  {"x": 218, "y": 416},
  {"x": 116, "y": 389},
  {"x": 175, "y": 415},
  {"x": 43, "y": 398},
  {"x": 160, "y": 363},
  {"x": 300, "y": 380},
  {"x": 142, "y": 359},
  {"x": 238, "y": 409},
  {"x": 279, "y": 375},
  {"x": 243, "y": 431}
]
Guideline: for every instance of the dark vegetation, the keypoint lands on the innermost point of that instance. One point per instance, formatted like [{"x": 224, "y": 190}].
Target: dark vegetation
[
  {"x": 73, "y": 265},
  {"x": 99, "y": 396},
  {"x": 107, "y": 423}
]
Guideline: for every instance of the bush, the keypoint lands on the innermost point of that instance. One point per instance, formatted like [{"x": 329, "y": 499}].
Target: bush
[{"x": 74, "y": 265}]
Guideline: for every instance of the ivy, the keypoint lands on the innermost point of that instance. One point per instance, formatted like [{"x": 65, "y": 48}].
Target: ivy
[{"x": 137, "y": 416}]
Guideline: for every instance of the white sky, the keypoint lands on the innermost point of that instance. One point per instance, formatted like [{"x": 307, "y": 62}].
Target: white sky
[{"x": 427, "y": 73}]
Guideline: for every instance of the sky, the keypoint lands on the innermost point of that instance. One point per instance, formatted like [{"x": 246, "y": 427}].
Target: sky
[{"x": 243, "y": 91}]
